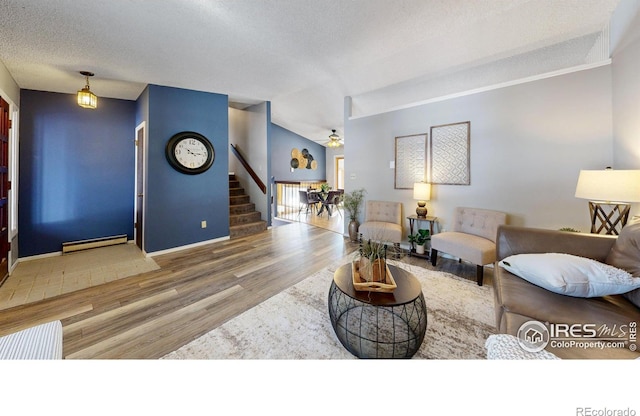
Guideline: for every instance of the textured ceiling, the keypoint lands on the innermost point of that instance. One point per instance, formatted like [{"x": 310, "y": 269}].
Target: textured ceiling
[{"x": 304, "y": 56}]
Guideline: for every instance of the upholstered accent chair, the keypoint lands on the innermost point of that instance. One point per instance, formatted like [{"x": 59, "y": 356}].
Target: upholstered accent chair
[
  {"x": 472, "y": 239},
  {"x": 383, "y": 222}
]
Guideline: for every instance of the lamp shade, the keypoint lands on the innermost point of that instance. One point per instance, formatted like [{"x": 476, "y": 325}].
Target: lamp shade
[
  {"x": 334, "y": 140},
  {"x": 609, "y": 185},
  {"x": 334, "y": 143},
  {"x": 422, "y": 191},
  {"x": 87, "y": 99}
]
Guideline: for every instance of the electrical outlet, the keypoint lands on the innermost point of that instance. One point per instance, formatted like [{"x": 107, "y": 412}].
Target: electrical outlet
[{"x": 203, "y": 224}]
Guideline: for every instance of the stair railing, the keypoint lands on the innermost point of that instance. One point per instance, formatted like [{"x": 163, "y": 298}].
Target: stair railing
[{"x": 249, "y": 169}]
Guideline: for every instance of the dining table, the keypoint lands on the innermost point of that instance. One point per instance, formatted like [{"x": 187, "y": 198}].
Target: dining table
[{"x": 324, "y": 203}]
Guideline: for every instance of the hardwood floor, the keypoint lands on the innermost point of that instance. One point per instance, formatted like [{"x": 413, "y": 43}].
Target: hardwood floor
[
  {"x": 151, "y": 314},
  {"x": 195, "y": 290},
  {"x": 333, "y": 223}
]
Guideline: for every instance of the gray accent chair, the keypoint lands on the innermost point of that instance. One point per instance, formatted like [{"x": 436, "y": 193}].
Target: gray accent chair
[
  {"x": 472, "y": 239},
  {"x": 383, "y": 222}
]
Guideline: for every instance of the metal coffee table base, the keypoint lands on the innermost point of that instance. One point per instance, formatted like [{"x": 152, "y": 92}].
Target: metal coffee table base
[{"x": 374, "y": 331}]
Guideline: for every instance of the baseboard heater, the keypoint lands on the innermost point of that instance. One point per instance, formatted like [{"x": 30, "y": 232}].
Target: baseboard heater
[{"x": 93, "y": 243}]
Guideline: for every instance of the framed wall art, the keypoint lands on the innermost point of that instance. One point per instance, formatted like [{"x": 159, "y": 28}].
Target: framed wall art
[
  {"x": 411, "y": 160},
  {"x": 450, "y": 154}
]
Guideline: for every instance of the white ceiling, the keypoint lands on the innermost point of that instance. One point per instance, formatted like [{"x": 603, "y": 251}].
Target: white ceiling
[{"x": 304, "y": 56}]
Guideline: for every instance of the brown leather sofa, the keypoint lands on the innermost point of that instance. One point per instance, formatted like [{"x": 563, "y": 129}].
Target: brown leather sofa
[{"x": 518, "y": 301}]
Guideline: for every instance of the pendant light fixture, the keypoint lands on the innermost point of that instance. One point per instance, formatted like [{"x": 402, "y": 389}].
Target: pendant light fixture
[
  {"x": 334, "y": 140},
  {"x": 86, "y": 98}
]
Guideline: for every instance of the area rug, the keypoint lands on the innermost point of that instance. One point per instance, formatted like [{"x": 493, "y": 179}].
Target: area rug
[{"x": 295, "y": 323}]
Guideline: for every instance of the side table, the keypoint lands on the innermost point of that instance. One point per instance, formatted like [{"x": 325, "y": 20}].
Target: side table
[
  {"x": 378, "y": 324},
  {"x": 413, "y": 219}
]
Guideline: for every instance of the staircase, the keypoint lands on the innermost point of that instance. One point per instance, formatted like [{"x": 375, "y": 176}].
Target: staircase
[{"x": 244, "y": 220}]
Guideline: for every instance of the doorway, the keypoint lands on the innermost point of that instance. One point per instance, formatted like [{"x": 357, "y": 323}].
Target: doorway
[
  {"x": 339, "y": 172},
  {"x": 139, "y": 187}
]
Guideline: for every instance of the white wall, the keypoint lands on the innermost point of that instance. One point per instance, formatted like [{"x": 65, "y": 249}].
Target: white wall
[
  {"x": 626, "y": 101},
  {"x": 238, "y": 135},
  {"x": 8, "y": 86},
  {"x": 528, "y": 144}
]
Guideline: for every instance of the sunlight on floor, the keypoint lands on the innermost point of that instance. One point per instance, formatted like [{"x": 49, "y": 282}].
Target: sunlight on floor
[{"x": 333, "y": 223}]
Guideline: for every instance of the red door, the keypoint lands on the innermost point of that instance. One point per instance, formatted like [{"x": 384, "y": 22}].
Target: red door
[{"x": 4, "y": 189}]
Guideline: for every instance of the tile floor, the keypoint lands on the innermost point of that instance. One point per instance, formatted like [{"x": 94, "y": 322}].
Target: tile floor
[{"x": 38, "y": 279}]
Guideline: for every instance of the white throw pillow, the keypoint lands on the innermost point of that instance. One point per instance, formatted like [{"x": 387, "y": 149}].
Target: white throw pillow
[{"x": 570, "y": 275}]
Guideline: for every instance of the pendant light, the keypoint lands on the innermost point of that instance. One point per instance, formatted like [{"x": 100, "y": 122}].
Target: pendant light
[
  {"x": 86, "y": 98},
  {"x": 334, "y": 140}
]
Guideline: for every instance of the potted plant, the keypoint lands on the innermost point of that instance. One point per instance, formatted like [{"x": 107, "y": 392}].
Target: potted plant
[
  {"x": 372, "y": 262},
  {"x": 352, "y": 202},
  {"x": 418, "y": 240}
]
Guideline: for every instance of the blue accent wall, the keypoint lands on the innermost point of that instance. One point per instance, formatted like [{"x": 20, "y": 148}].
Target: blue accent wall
[
  {"x": 176, "y": 203},
  {"x": 282, "y": 142},
  {"x": 76, "y": 170}
]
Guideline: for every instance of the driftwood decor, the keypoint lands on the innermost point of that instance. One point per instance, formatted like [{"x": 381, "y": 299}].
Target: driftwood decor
[
  {"x": 411, "y": 160},
  {"x": 450, "y": 154}
]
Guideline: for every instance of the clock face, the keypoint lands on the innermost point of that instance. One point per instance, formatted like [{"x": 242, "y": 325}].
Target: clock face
[{"x": 190, "y": 153}]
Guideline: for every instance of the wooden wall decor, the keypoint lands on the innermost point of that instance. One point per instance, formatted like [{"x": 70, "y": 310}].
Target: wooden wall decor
[{"x": 302, "y": 159}]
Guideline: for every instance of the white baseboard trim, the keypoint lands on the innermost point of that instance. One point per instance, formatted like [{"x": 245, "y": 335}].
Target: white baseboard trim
[
  {"x": 46, "y": 255},
  {"x": 188, "y": 246},
  {"x": 39, "y": 256}
]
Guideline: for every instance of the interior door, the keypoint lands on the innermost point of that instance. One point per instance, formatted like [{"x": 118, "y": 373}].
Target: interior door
[
  {"x": 4, "y": 189},
  {"x": 139, "y": 185}
]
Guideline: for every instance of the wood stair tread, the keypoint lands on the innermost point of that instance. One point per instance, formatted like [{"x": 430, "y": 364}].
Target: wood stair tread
[
  {"x": 244, "y": 220},
  {"x": 250, "y": 228}
]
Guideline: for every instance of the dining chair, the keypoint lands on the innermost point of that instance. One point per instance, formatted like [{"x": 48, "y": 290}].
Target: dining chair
[
  {"x": 307, "y": 201},
  {"x": 314, "y": 199},
  {"x": 333, "y": 201}
]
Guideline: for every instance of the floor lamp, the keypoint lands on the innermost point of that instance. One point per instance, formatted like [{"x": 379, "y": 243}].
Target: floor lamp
[{"x": 610, "y": 193}]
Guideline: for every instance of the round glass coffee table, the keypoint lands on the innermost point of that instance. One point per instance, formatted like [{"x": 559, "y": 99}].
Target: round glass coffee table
[{"x": 378, "y": 324}]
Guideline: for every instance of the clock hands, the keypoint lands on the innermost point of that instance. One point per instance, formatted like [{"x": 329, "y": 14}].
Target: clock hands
[{"x": 195, "y": 154}]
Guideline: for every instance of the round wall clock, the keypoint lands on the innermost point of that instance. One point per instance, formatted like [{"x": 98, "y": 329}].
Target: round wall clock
[{"x": 189, "y": 152}]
